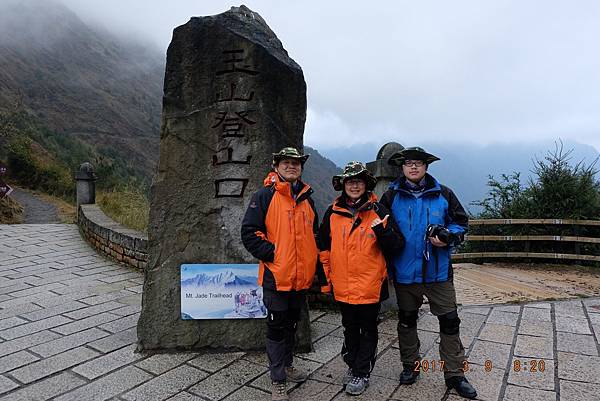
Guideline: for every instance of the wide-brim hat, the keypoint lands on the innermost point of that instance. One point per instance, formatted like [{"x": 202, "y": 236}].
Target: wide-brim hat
[
  {"x": 289, "y": 153},
  {"x": 412, "y": 153},
  {"x": 354, "y": 170}
]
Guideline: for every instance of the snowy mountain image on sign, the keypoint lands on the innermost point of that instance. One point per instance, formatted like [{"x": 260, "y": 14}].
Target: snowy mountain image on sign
[{"x": 228, "y": 291}]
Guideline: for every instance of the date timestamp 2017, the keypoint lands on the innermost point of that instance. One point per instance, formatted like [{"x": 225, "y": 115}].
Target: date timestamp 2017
[{"x": 433, "y": 365}]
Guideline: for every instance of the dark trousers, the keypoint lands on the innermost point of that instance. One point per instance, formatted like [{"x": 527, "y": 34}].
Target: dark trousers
[
  {"x": 442, "y": 303},
  {"x": 283, "y": 309},
  {"x": 360, "y": 337}
]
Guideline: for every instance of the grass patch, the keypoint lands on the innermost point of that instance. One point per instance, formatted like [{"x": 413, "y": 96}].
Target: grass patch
[{"x": 129, "y": 206}]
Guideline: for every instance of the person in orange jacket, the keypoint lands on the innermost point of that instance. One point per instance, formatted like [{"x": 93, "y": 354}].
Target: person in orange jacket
[
  {"x": 280, "y": 229},
  {"x": 355, "y": 236}
]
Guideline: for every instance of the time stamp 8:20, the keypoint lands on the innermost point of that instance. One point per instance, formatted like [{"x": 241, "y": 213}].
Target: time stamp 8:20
[{"x": 532, "y": 365}]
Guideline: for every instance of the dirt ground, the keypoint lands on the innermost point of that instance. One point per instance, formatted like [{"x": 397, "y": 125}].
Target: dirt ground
[{"x": 505, "y": 282}]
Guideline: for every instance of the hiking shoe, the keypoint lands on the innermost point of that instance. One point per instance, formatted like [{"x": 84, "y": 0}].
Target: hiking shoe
[
  {"x": 462, "y": 386},
  {"x": 279, "y": 391},
  {"x": 347, "y": 377},
  {"x": 408, "y": 375},
  {"x": 357, "y": 385},
  {"x": 295, "y": 375}
]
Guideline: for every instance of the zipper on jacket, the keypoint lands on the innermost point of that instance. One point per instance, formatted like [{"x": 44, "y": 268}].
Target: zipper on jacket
[
  {"x": 427, "y": 217},
  {"x": 410, "y": 218},
  {"x": 344, "y": 237},
  {"x": 305, "y": 221}
]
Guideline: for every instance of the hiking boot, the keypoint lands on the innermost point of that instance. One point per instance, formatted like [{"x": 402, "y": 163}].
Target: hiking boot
[
  {"x": 357, "y": 385},
  {"x": 279, "y": 391},
  {"x": 295, "y": 375},
  {"x": 462, "y": 386},
  {"x": 347, "y": 377},
  {"x": 408, "y": 375}
]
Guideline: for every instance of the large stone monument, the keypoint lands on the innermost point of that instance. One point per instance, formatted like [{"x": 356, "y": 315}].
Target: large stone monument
[{"x": 232, "y": 97}]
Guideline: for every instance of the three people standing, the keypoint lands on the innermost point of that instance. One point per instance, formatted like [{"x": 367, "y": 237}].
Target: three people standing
[{"x": 409, "y": 234}]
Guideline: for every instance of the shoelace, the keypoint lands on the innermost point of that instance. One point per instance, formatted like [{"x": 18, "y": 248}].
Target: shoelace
[
  {"x": 281, "y": 388},
  {"x": 355, "y": 379}
]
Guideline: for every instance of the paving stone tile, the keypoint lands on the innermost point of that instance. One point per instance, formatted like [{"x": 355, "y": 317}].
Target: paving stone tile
[
  {"x": 259, "y": 358},
  {"x": 226, "y": 381},
  {"x": 577, "y": 391},
  {"x": 566, "y": 324},
  {"x": 16, "y": 360},
  {"x": 98, "y": 299},
  {"x": 498, "y": 333},
  {"x": 211, "y": 362},
  {"x": 11, "y": 322},
  {"x": 6, "y": 385},
  {"x": 87, "y": 311},
  {"x": 331, "y": 318},
  {"x": 127, "y": 310},
  {"x": 8, "y": 347},
  {"x": 46, "y": 389},
  {"x": 536, "y": 314},
  {"x": 516, "y": 393},
  {"x": 29, "y": 328},
  {"x": 86, "y": 323},
  {"x": 573, "y": 309},
  {"x": 579, "y": 367},
  {"x": 428, "y": 322},
  {"x": 500, "y": 317},
  {"x": 541, "y": 378},
  {"x": 534, "y": 347},
  {"x": 185, "y": 396},
  {"x": 325, "y": 349},
  {"x": 388, "y": 364},
  {"x": 485, "y": 350},
  {"x": 477, "y": 310},
  {"x": 508, "y": 308},
  {"x": 166, "y": 385},
  {"x": 109, "y": 386},
  {"x": 389, "y": 326},
  {"x": 68, "y": 342},
  {"x": 320, "y": 329},
  {"x": 56, "y": 363},
  {"x": 53, "y": 311},
  {"x": 577, "y": 343},
  {"x": 115, "y": 341},
  {"x": 107, "y": 363},
  {"x": 121, "y": 324},
  {"x": 315, "y": 390},
  {"x": 487, "y": 384},
  {"x": 331, "y": 372},
  {"x": 160, "y": 363},
  {"x": 536, "y": 328}
]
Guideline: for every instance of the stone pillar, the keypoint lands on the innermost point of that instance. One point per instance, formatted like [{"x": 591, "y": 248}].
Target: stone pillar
[
  {"x": 385, "y": 174},
  {"x": 232, "y": 97},
  {"x": 86, "y": 178}
]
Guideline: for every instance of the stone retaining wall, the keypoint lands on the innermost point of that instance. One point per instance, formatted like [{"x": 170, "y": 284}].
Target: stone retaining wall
[{"x": 112, "y": 239}]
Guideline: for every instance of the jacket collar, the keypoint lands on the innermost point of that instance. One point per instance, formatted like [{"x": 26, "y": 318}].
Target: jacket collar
[
  {"x": 340, "y": 206},
  {"x": 431, "y": 185},
  {"x": 285, "y": 188}
]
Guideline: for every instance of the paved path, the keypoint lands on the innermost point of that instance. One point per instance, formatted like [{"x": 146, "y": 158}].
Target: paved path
[
  {"x": 67, "y": 332},
  {"x": 36, "y": 209}
]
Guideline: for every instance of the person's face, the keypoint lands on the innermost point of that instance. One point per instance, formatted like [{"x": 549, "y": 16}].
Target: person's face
[
  {"x": 414, "y": 170},
  {"x": 355, "y": 188},
  {"x": 289, "y": 169}
]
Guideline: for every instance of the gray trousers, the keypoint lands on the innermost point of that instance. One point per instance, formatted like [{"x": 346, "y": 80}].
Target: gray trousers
[{"x": 442, "y": 302}]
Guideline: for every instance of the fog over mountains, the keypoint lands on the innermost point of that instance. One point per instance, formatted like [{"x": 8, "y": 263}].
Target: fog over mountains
[{"x": 84, "y": 82}]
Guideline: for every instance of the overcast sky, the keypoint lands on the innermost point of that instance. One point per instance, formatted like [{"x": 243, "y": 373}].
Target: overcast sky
[{"x": 418, "y": 71}]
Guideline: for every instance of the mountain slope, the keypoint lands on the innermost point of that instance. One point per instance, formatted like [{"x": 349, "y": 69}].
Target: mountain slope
[{"x": 80, "y": 82}]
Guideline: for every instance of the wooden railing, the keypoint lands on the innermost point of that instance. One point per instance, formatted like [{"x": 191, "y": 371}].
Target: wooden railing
[{"x": 528, "y": 239}]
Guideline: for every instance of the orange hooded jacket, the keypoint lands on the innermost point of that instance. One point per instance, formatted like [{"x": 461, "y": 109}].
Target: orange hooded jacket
[
  {"x": 352, "y": 252},
  {"x": 281, "y": 232}
]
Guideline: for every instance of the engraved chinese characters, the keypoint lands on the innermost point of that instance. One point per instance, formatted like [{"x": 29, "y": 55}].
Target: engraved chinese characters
[
  {"x": 233, "y": 121},
  {"x": 232, "y": 98}
]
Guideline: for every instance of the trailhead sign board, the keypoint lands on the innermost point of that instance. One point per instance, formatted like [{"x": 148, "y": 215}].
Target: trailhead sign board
[{"x": 221, "y": 291}]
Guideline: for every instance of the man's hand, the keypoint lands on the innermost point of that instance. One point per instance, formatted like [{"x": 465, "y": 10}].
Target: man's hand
[
  {"x": 435, "y": 241},
  {"x": 377, "y": 220}
]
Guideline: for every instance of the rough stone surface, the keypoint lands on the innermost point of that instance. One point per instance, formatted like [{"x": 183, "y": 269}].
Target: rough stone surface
[{"x": 232, "y": 97}]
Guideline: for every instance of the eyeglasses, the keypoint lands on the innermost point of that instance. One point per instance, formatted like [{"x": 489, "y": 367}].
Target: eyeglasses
[
  {"x": 414, "y": 163},
  {"x": 354, "y": 182}
]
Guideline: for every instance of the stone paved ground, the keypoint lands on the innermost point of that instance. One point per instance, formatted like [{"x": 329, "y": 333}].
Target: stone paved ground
[{"x": 67, "y": 332}]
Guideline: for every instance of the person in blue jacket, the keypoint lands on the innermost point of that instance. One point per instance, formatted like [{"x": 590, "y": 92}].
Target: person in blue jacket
[{"x": 432, "y": 221}]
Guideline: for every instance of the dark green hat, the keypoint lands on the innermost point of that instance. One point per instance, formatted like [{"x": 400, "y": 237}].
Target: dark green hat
[
  {"x": 289, "y": 153},
  {"x": 412, "y": 153},
  {"x": 354, "y": 169}
]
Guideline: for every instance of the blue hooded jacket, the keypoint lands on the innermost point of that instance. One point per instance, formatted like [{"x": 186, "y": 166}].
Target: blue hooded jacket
[{"x": 420, "y": 261}]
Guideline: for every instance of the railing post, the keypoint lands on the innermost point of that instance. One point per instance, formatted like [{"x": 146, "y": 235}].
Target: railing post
[{"x": 86, "y": 178}]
